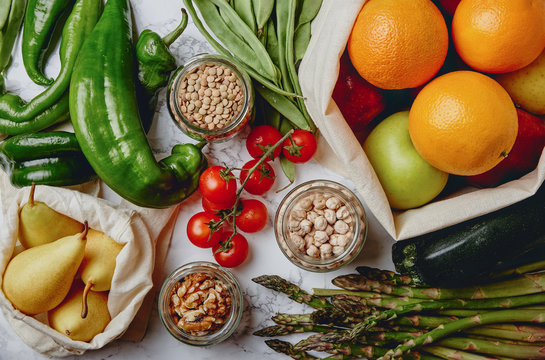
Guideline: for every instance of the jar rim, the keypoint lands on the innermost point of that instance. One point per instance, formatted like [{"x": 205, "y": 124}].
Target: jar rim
[
  {"x": 191, "y": 65},
  {"x": 226, "y": 278},
  {"x": 304, "y": 261}
]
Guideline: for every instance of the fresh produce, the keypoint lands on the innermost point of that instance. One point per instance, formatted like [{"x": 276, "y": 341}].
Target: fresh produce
[
  {"x": 218, "y": 185},
  {"x": 261, "y": 138},
  {"x": 213, "y": 207},
  {"x": 300, "y": 147},
  {"x": 359, "y": 101},
  {"x": 199, "y": 232},
  {"x": 51, "y": 158},
  {"x": 232, "y": 252},
  {"x": 39, "y": 224},
  {"x": 39, "y": 278},
  {"x": 98, "y": 265},
  {"x": 253, "y": 216},
  {"x": 398, "y": 44},
  {"x": 475, "y": 250},
  {"x": 382, "y": 315},
  {"x": 526, "y": 86},
  {"x": 41, "y": 18},
  {"x": 51, "y": 106},
  {"x": 463, "y": 123},
  {"x": 67, "y": 320},
  {"x": 11, "y": 17},
  {"x": 524, "y": 155},
  {"x": 261, "y": 180},
  {"x": 407, "y": 179},
  {"x": 507, "y": 41},
  {"x": 107, "y": 124}
]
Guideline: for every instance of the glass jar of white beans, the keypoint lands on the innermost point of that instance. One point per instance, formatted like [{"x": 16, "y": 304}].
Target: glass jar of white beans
[
  {"x": 210, "y": 98},
  {"x": 320, "y": 226}
]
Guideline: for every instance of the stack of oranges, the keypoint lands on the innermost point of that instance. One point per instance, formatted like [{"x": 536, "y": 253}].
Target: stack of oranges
[{"x": 462, "y": 122}]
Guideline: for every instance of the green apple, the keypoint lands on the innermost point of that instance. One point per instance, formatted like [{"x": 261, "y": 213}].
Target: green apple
[
  {"x": 527, "y": 85},
  {"x": 407, "y": 179}
]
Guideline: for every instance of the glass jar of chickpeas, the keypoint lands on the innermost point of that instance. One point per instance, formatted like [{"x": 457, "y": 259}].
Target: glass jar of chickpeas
[{"x": 210, "y": 98}]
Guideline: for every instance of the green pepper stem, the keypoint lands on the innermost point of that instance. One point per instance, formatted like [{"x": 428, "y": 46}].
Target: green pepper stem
[{"x": 170, "y": 38}]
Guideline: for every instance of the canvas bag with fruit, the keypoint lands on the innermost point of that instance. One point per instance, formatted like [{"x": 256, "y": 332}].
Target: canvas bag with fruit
[
  {"x": 132, "y": 274},
  {"x": 341, "y": 148}
]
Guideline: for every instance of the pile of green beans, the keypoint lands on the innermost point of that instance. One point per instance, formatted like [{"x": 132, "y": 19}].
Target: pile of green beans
[{"x": 266, "y": 39}]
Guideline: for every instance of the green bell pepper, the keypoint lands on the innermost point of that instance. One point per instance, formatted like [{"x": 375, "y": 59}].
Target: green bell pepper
[
  {"x": 104, "y": 112},
  {"x": 42, "y": 16},
  {"x": 52, "y": 158}
]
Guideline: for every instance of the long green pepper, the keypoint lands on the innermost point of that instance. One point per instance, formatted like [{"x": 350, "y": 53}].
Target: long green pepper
[
  {"x": 11, "y": 17},
  {"x": 107, "y": 123},
  {"x": 51, "y": 106},
  {"x": 42, "y": 16}
]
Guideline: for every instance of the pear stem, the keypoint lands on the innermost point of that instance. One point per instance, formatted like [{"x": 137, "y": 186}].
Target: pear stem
[
  {"x": 88, "y": 287},
  {"x": 31, "y": 196},
  {"x": 83, "y": 235}
]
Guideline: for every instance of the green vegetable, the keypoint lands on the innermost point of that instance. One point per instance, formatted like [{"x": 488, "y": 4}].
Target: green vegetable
[
  {"x": 107, "y": 123},
  {"x": 42, "y": 16},
  {"x": 11, "y": 17},
  {"x": 52, "y": 158},
  {"x": 245, "y": 10},
  {"x": 262, "y": 12},
  {"x": 475, "y": 249},
  {"x": 292, "y": 290},
  {"x": 51, "y": 106}
]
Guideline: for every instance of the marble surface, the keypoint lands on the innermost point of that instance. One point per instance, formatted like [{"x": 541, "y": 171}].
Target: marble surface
[{"x": 265, "y": 256}]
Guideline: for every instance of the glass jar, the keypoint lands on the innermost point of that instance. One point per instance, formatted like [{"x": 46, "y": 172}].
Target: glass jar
[
  {"x": 223, "y": 277},
  {"x": 176, "y": 92},
  {"x": 294, "y": 209}
]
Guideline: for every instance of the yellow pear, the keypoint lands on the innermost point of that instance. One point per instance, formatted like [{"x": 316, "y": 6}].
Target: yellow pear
[
  {"x": 98, "y": 265},
  {"x": 66, "y": 318},
  {"x": 39, "y": 278},
  {"x": 39, "y": 224}
]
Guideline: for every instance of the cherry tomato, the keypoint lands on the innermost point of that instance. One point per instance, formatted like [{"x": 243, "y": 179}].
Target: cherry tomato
[
  {"x": 213, "y": 207},
  {"x": 215, "y": 187},
  {"x": 261, "y": 180},
  {"x": 198, "y": 230},
  {"x": 261, "y": 138},
  {"x": 300, "y": 147},
  {"x": 231, "y": 253},
  {"x": 253, "y": 216}
]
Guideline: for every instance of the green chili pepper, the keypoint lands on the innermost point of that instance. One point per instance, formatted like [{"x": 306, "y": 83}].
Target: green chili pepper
[
  {"x": 42, "y": 16},
  {"x": 11, "y": 17},
  {"x": 51, "y": 106},
  {"x": 104, "y": 113},
  {"x": 155, "y": 63},
  {"x": 52, "y": 158}
]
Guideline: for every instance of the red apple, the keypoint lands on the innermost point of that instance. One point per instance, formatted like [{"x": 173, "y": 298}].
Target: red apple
[
  {"x": 359, "y": 101},
  {"x": 523, "y": 157}
]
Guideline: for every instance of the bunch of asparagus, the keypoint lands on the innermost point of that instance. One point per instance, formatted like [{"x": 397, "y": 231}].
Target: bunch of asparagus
[{"x": 378, "y": 314}]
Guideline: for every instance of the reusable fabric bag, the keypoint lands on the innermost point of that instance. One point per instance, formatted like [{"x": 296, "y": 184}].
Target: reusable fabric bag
[{"x": 340, "y": 150}]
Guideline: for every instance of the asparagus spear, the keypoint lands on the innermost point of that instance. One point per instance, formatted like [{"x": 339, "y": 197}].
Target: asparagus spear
[
  {"x": 286, "y": 348},
  {"x": 527, "y": 284},
  {"x": 515, "y": 315},
  {"x": 446, "y": 353},
  {"x": 378, "y": 300},
  {"x": 528, "y": 333},
  {"x": 318, "y": 342},
  {"x": 292, "y": 319},
  {"x": 386, "y": 277},
  {"x": 294, "y": 292},
  {"x": 515, "y": 351},
  {"x": 280, "y": 330},
  {"x": 522, "y": 269}
]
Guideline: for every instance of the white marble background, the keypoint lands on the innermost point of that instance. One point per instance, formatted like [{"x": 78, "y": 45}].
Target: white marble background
[{"x": 265, "y": 257}]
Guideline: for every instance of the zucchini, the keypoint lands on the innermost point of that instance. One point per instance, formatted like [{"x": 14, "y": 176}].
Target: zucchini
[{"x": 473, "y": 251}]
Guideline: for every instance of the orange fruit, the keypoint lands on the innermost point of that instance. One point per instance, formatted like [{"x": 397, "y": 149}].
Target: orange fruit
[
  {"x": 463, "y": 123},
  {"x": 498, "y": 36},
  {"x": 398, "y": 44}
]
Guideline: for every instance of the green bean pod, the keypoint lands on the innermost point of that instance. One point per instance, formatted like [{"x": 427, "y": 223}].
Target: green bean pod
[
  {"x": 285, "y": 107},
  {"x": 245, "y": 10},
  {"x": 262, "y": 11},
  {"x": 42, "y": 16}
]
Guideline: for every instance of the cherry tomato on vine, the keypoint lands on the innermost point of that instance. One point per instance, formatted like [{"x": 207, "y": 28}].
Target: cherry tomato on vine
[
  {"x": 262, "y": 137},
  {"x": 233, "y": 252},
  {"x": 261, "y": 179},
  {"x": 300, "y": 147},
  {"x": 253, "y": 216},
  {"x": 198, "y": 230},
  {"x": 213, "y": 207},
  {"x": 217, "y": 185}
]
